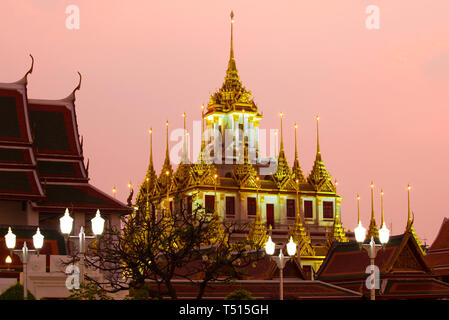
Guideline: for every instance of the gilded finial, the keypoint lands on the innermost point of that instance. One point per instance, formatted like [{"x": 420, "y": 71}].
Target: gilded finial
[
  {"x": 373, "y": 230},
  {"x": 382, "y": 206},
  {"x": 281, "y": 115},
  {"x": 358, "y": 209},
  {"x": 317, "y": 135},
  {"x": 409, "y": 218}
]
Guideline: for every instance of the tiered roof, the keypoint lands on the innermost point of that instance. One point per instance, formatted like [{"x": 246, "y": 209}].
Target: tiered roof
[{"x": 41, "y": 154}]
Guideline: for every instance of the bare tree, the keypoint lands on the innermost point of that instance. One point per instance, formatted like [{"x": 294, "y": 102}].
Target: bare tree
[{"x": 195, "y": 246}]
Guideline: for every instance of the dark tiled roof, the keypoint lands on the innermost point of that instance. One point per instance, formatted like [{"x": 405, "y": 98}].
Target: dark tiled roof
[
  {"x": 53, "y": 129},
  {"x": 15, "y": 155},
  {"x": 442, "y": 239},
  {"x": 19, "y": 184},
  {"x": 79, "y": 196},
  {"x": 268, "y": 289},
  {"x": 346, "y": 260},
  {"x": 395, "y": 288},
  {"x": 13, "y": 124}
]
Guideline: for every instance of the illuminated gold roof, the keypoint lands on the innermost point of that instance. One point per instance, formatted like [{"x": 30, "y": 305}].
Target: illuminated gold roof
[{"x": 232, "y": 96}]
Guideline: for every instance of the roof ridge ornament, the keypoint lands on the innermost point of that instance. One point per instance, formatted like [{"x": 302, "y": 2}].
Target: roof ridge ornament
[
  {"x": 71, "y": 96},
  {"x": 24, "y": 79}
]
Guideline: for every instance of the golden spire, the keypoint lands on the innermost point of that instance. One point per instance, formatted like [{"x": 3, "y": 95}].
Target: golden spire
[
  {"x": 232, "y": 45},
  {"x": 409, "y": 218},
  {"x": 372, "y": 230},
  {"x": 319, "y": 172},
  {"x": 298, "y": 232},
  {"x": 317, "y": 137},
  {"x": 167, "y": 165},
  {"x": 257, "y": 235},
  {"x": 382, "y": 207},
  {"x": 203, "y": 140},
  {"x": 231, "y": 73},
  {"x": 358, "y": 208},
  {"x": 282, "y": 174},
  {"x": 338, "y": 233},
  {"x": 151, "y": 171},
  {"x": 184, "y": 158},
  {"x": 296, "y": 169},
  {"x": 281, "y": 115}
]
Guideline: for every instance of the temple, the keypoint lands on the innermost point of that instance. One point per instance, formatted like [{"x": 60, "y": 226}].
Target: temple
[
  {"x": 231, "y": 178},
  {"x": 42, "y": 170}
]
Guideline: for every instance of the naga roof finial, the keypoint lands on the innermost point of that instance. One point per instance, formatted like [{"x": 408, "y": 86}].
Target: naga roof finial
[{"x": 71, "y": 96}]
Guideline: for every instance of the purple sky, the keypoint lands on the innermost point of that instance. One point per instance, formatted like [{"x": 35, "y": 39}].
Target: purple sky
[{"x": 382, "y": 95}]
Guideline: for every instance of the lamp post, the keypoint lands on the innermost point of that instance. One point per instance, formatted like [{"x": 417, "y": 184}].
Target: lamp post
[
  {"x": 371, "y": 248},
  {"x": 66, "y": 224},
  {"x": 281, "y": 260},
  {"x": 24, "y": 253}
]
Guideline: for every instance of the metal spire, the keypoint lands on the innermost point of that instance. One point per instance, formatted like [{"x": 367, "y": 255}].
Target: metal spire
[
  {"x": 409, "y": 219},
  {"x": 317, "y": 137},
  {"x": 373, "y": 231},
  {"x": 382, "y": 207},
  {"x": 358, "y": 208},
  {"x": 281, "y": 115}
]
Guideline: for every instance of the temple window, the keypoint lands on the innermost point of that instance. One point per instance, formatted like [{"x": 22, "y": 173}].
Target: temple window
[
  {"x": 308, "y": 209},
  {"x": 290, "y": 208},
  {"x": 230, "y": 206},
  {"x": 209, "y": 203},
  {"x": 252, "y": 206},
  {"x": 189, "y": 204},
  {"x": 328, "y": 209}
]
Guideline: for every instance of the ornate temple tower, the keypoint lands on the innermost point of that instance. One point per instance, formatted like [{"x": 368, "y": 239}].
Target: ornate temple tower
[{"x": 227, "y": 179}]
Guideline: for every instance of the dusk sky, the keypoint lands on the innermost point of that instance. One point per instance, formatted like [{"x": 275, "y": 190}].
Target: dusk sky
[{"x": 382, "y": 94}]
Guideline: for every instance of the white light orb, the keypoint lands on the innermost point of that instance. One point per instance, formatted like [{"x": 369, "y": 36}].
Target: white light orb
[
  {"x": 384, "y": 234},
  {"x": 97, "y": 224},
  {"x": 269, "y": 246},
  {"x": 360, "y": 233},
  {"x": 10, "y": 239},
  {"x": 38, "y": 240},
  {"x": 66, "y": 223}
]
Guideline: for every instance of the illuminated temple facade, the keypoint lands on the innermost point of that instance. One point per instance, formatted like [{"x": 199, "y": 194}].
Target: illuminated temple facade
[{"x": 230, "y": 178}]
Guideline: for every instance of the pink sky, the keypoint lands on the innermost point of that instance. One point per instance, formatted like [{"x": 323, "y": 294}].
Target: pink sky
[{"x": 382, "y": 95}]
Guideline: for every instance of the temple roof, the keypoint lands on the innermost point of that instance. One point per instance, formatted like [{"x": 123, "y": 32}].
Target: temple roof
[
  {"x": 41, "y": 153},
  {"x": 441, "y": 242},
  {"x": 401, "y": 254},
  {"x": 19, "y": 179},
  {"x": 232, "y": 96}
]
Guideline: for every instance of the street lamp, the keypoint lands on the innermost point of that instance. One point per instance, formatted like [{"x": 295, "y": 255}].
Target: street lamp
[
  {"x": 24, "y": 253},
  {"x": 281, "y": 260},
  {"x": 66, "y": 224},
  {"x": 372, "y": 248}
]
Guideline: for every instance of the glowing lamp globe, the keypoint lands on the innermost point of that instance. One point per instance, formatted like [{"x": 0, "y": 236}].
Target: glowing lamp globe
[
  {"x": 38, "y": 240},
  {"x": 97, "y": 224},
  {"x": 8, "y": 259},
  {"x": 66, "y": 223},
  {"x": 269, "y": 246},
  {"x": 10, "y": 239},
  {"x": 291, "y": 247},
  {"x": 384, "y": 234},
  {"x": 360, "y": 233}
]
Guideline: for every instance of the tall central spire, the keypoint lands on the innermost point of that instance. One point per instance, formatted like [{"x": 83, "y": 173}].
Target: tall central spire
[
  {"x": 319, "y": 172},
  {"x": 231, "y": 73},
  {"x": 373, "y": 231},
  {"x": 318, "y": 153},
  {"x": 297, "y": 171}
]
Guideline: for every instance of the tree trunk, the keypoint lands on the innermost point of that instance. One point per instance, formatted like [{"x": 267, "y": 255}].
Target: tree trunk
[{"x": 171, "y": 290}]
